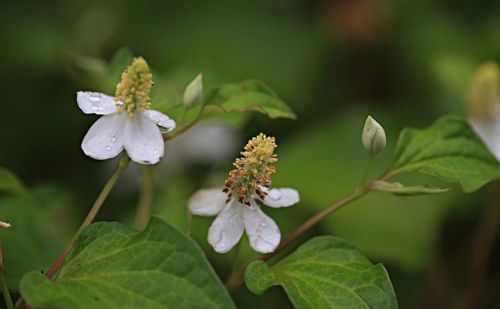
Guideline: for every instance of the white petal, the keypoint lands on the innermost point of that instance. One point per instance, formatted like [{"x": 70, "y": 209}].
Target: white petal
[
  {"x": 96, "y": 103},
  {"x": 489, "y": 131},
  {"x": 227, "y": 228},
  {"x": 278, "y": 198},
  {"x": 262, "y": 231},
  {"x": 105, "y": 140},
  {"x": 207, "y": 202},
  {"x": 160, "y": 119},
  {"x": 143, "y": 140}
]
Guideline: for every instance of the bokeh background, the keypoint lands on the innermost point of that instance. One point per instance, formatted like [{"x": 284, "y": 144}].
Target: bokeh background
[{"x": 333, "y": 61}]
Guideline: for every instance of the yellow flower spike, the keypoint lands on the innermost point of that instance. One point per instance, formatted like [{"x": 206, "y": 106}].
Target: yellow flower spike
[
  {"x": 253, "y": 169},
  {"x": 134, "y": 87},
  {"x": 484, "y": 92}
]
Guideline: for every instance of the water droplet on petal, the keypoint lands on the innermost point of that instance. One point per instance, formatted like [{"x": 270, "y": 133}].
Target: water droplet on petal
[
  {"x": 269, "y": 237},
  {"x": 275, "y": 194},
  {"x": 94, "y": 97},
  {"x": 222, "y": 246},
  {"x": 108, "y": 148},
  {"x": 233, "y": 219},
  {"x": 263, "y": 224},
  {"x": 113, "y": 139}
]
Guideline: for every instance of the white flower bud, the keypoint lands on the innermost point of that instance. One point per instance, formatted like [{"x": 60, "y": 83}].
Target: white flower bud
[
  {"x": 194, "y": 92},
  {"x": 5, "y": 224},
  {"x": 373, "y": 137}
]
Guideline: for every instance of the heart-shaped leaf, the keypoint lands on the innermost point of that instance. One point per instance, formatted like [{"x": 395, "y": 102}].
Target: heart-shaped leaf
[
  {"x": 113, "y": 266},
  {"x": 326, "y": 272},
  {"x": 448, "y": 149}
]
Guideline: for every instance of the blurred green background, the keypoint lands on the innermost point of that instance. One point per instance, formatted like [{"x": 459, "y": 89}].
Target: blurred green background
[{"x": 333, "y": 61}]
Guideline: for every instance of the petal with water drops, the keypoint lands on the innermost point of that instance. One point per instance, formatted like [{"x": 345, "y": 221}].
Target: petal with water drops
[
  {"x": 283, "y": 197},
  {"x": 160, "y": 119},
  {"x": 143, "y": 140},
  {"x": 227, "y": 228},
  {"x": 96, "y": 103},
  {"x": 105, "y": 139},
  {"x": 207, "y": 202},
  {"x": 263, "y": 232}
]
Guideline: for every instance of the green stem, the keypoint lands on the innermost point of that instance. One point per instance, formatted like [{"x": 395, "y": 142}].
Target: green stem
[
  {"x": 189, "y": 222},
  {"x": 5, "y": 291},
  {"x": 236, "y": 277},
  {"x": 183, "y": 116},
  {"x": 235, "y": 265},
  {"x": 368, "y": 168},
  {"x": 169, "y": 136},
  {"x": 146, "y": 198},
  {"x": 236, "y": 256},
  {"x": 122, "y": 164},
  {"x": 486, "y": 234}
]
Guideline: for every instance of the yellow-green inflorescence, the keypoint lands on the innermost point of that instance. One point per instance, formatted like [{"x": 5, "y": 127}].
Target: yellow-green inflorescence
[
  {"x": 484, "y": 92},
  {"x": 133, "y": 89},
  {"x": 253, "y": 169}
]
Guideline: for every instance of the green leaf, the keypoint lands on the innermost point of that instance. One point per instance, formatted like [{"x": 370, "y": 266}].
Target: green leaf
[
  {"x": 383, "y": 226},
  {"x": 250, "y": 95},
  {"x": 326, "y": 272},
  {"x": 34, "y": 240},
  {"x": 113, "y": 266},
  {"x": 400, "y": 189},
  {"x": 10, "y": 183},
  {"x": 448, "y": 149}
]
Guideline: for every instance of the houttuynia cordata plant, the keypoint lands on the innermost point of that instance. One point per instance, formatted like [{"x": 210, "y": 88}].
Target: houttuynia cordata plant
[{"x": 160, "y": 261}]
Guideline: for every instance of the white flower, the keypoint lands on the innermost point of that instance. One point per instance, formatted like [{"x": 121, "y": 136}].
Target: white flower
[
  {"x": 489, "y": 131},
  {"x": 127, "y": 122},
  {"x": 483, "y": 100},
  {"x": 139, "y": 135},
  {"x": 234, "y": 217}
]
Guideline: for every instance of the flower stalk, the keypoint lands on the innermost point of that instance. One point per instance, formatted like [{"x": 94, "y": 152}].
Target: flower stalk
[
  {"x": 237, "y": 277},
  {"x": 3, "y": 285},
  {"x": 146, "y": 198},
  {"x": 122, "y": 164}
]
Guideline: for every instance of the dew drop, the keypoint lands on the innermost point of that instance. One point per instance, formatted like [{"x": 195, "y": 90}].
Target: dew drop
[
  {"x": 94, "y": 97},
  {"x": 113, "y": 139},
  {"x": 233, "y": 219},
  {"x": 222, "y": 246},
  {"x": 275, "y": 194},
  {"x": 97, "y": 108},
  {"x": 108, "y": 148},
  {"x": 263, "y": 224}
]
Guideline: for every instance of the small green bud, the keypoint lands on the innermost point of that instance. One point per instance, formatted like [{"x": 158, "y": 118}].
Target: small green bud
[
  {"x": 194, "y": 92},
  {"x": 373, "y": 137}
]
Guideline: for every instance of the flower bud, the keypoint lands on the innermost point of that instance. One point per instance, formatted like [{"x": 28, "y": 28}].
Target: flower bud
[
  {"x": 5, "y": 224},
  {"x": 373, "y": 137},
  {"x": 194, "y": 92}
]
